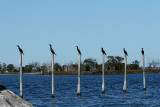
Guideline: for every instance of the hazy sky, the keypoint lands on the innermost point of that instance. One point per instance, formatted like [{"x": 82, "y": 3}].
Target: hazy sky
[{"x": 90, "y": 24}]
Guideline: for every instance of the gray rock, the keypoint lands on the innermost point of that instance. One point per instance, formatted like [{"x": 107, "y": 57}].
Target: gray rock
[{"x": 9, "y": 99}]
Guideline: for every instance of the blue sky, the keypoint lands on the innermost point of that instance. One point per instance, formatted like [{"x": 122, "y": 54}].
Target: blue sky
[{"x": 90, "y": 24}]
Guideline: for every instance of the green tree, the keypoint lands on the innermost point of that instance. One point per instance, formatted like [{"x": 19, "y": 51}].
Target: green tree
[
  {"x": 4, "y": 67},
  {"x": 90, "y": 64},
  {"x": 111, "y": 62},
  {"x": 36, "y": 66},
  {"x": 10, "y": 68},
  {"x": 44, "y": 67},
  {"x": 119, "y": 65},
  {"x": 57, "y": 67},
  {"x": 114, "y": 63},
  {"x": 74, "y": 67},
  {"x": 28, "y": 68},
  {"x": 16, "y": 69},
  {"x": 134, "y": 65},
  {"x": 119, "y": 59}
]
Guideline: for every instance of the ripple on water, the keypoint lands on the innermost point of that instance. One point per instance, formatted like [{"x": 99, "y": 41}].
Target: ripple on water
[{"x": 37, "y": 90}]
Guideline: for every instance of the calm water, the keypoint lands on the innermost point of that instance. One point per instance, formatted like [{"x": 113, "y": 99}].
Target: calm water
[{"x": 37, "y": 90}]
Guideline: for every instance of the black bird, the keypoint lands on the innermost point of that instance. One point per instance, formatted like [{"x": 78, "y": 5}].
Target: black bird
[
  {"x": 103, "y": 51},
  {"x": 125, "y": 52},
  {"x": 78, "y": 50},
  {"x": 142, "y": 51},
  {"x": 52, "y": 49},
  {"x": 20, "y": 50}
]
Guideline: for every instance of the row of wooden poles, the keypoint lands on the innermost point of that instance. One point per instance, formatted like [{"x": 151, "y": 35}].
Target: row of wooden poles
[{"x": 79, "y": 70}]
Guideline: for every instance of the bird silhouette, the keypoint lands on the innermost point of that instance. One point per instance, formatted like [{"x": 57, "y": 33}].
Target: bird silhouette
[
  {"x": 20, "y": 50},
  {"x": 125, "y": 52},
  {"x": 52, "y": 51},
  {"x": 142, "y": 51},
  {"x": 103, "y": 51},
  {"x": 78, "y": 50}
]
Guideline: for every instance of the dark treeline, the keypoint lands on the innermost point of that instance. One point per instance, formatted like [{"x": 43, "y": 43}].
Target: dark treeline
[{"x": 113, "y": 63}]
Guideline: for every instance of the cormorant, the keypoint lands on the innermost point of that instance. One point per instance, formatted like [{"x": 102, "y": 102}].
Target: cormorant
[
  {"x": 125, "y": 51},
  {"x": 20, "y": 50},
  {"x": 142, "y": 51},
  {"x": 103, "y": 51},
  {"x": 52, "y": 49},
  {"x": 78, "y": 50}
]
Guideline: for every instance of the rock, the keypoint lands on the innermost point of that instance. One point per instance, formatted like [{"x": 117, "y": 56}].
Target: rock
[{"x": 9, "y": 99}]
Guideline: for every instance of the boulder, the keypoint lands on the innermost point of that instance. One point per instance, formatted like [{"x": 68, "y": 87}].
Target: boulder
[{"x": 9, "y": 99}]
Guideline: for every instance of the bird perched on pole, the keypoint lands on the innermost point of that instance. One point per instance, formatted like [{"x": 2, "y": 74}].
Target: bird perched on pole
[
  {"x": 142, "y": 51},
  {"x": 125, "y": 52},
  {"x": 20, "y": 50},
  {"x": 52, "y": 49},
  {"x": 78, "y": 50},
  {"x": 103, "y": 51}
]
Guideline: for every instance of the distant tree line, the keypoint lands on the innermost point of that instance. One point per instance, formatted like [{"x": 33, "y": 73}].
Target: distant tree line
[
  {"x": 113, "y": 63},
  {"x": 7, "y": 68}
]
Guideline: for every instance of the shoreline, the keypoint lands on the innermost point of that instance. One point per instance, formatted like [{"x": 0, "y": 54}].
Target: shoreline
[{"x": 87, "y": 72}]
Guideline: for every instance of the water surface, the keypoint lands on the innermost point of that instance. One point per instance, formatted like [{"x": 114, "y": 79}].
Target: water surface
[{"x": 37, "y": 90}]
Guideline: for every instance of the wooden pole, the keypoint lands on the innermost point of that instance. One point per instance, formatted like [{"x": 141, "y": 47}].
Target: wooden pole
[
  {"x": 125, "y": 69},
  {"x": 103, "y": 92},
  {"x": 20, "y": 62},
  {"x": 52, "y": 75},
  {"x": 144, "y": 82},
  {"x": 79, "y": 70}
]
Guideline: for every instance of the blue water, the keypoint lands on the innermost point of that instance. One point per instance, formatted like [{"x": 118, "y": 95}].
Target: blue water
[{"x": 37, "y": 90}]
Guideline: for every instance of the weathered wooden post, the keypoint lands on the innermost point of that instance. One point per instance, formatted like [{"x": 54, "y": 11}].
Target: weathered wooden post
[
  {"x": 21, "y": 89},
  {"x": 79, "y": 70},
  {"x": 144, "y": 82},
  {"x": 20, "y": 67},
  {"x": 52, "y": 51},
  {"x": 52, "y": 75},
  {"x": 103, "y": 59},
  {"x": 103, "y": 92},
  {"x": 125, "y": 70}
]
